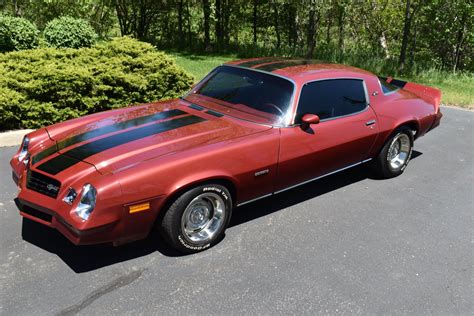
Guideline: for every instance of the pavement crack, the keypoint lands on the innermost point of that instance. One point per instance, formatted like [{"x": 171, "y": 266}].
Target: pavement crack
[{"x": 95, "y": 295}]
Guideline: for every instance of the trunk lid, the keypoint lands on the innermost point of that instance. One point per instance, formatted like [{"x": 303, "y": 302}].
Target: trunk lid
[{"x": 429, "y": 94}]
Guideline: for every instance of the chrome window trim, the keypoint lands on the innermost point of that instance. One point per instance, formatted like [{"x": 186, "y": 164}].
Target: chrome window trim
[
  {"x": 367, "y": 99},
  {"x": 304, "y": 182},
  {"x": 290, "y": 103}
]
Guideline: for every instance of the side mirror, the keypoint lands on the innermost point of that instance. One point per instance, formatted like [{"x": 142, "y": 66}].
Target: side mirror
[{"x": 309, "y": 119}]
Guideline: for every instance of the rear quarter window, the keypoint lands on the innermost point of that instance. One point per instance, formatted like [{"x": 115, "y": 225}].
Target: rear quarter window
[{"x": 387, "y": 87}]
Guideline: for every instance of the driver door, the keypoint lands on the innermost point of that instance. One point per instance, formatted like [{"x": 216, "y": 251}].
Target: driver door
[{"x": 344, "y": 136}]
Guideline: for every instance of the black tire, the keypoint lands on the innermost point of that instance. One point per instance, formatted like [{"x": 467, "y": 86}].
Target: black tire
[
  {"x": 382, "y": 165},
  {"x": 199, "y": 199}
]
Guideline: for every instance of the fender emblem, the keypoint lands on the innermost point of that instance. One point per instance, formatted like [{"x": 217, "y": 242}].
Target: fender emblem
[
  {"x": 52, "y": 187},
  {"x": 262, "y": 172}
]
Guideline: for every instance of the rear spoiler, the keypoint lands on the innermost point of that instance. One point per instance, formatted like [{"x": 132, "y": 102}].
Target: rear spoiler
[{"x": 429, "y": 94}]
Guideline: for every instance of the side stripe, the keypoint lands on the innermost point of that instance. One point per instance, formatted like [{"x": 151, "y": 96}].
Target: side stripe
[
  {"x": 104, "y": 130},
  {"x": 73, "y": 156}
]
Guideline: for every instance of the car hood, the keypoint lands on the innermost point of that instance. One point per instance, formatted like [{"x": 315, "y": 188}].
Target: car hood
[{"x": 119, "y": 139}]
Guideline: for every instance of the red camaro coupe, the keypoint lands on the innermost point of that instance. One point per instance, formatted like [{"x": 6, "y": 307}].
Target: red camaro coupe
[{"x": 250, "y": 129}]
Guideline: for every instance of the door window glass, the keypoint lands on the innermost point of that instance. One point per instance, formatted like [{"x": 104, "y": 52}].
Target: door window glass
[{"x": 331, "y": 98}]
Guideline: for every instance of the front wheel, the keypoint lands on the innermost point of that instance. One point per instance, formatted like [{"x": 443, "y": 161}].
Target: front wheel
[
  {"x": 197, "y": 219},
  {"x": 395, "y": 154}
]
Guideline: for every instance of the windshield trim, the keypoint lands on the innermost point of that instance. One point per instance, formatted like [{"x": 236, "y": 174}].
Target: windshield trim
[{"x": 289, "y": 112}]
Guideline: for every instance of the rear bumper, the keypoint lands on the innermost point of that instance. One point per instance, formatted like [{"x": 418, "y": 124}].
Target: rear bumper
[
  {"x": 437, "y": 120},
  {"x": 102, "y": 234}
]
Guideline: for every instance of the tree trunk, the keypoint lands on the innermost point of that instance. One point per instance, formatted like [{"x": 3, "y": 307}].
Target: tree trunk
[
  {"x": 255, "y": 22},
  {"x": 225, "y": 21},
  {"x": 218, "y": 24},
  {"x": 180, "y": 24},
  {"x": 16, "y": 8},
  {"x": 413, "y": 47},
  {"x": 207, "y": 12},
  {"x": 313, "y": 19},
  {"x": 459, "y": 41},
  {"x": 384, "y": 45},
  {"x": 328, "y": 30},
  {"x": 277, "y": 23},
  {"x": 122, "y": 16},
  {"x": 406, "y": 33},
  {"x": 188, "y": 25},
  {"x": 341, "y": 18}
]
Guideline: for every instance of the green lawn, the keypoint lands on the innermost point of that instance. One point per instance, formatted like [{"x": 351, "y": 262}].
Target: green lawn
[
  {"x": 458, "y": 90},
  {"x": 200, "y": 65}
]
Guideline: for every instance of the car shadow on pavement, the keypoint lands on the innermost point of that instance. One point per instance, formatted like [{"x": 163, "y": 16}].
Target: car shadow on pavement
[
  {"x": 87, "y": 258},
  {"x": 91, "y": 257},
  {"x": 305, "y": 192}
]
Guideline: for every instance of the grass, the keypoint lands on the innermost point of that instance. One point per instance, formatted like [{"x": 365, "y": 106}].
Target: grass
[
  {"x": 200, "y": 65},
  {"x": 457, "y": 89}
]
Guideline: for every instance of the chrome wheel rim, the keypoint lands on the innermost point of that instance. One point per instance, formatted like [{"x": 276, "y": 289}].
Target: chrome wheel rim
[
  {"x": 203, "y": 218},
  {"x": 399, "y": 151}
]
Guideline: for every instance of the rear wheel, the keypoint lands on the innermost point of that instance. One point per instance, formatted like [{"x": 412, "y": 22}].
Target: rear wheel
[
  {"x": 197, "y": 219},
  {"x": 395, "y": 154}
]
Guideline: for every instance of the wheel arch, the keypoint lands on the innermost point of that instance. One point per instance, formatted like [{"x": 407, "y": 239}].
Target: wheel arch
[
  {"x": 411, "y": 124},
  {"x": 226, "y": 181}
]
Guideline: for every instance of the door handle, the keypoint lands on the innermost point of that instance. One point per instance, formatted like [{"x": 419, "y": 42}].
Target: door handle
[{"x": 371, "y": 122}]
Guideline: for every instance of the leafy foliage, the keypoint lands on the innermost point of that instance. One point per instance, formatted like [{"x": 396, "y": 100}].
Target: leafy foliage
[
  {"x": 68, "y": 32},
  {"x": 17, "y": 34},
  {"x": 413, "y": 35},
  {"x": 47, "y": 85}
]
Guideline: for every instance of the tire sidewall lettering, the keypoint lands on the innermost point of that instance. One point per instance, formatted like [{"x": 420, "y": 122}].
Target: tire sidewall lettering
[
  {"x": 184, "y": 241},
  {"x": 191, "y": 247},
  {"x": 217, "y": 190}
]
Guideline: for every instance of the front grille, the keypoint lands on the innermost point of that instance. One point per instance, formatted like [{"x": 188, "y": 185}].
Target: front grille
[
  {"x": 35, "y": 213},
  {"x": 43, "y": 184}
]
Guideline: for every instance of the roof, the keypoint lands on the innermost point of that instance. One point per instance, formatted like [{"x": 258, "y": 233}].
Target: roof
[{"x": 294, "y": 67}]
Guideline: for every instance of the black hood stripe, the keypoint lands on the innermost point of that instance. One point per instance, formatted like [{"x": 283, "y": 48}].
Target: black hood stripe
[
  {"x": 196, "y": 107},
  {"x": 105, "y": 130},
  {"x": 73, "y": 156},
  {"x": 216, "y": 114}
]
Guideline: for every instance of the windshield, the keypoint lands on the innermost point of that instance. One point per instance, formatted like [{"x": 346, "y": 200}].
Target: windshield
[{"x": 257, "y": 96}]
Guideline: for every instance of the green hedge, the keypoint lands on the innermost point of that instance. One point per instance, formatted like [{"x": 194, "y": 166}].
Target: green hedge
[
  {"x": 17, "y": 34},
  {"x": 44, "y": 86},
  {"x": 68, "y": 32}
]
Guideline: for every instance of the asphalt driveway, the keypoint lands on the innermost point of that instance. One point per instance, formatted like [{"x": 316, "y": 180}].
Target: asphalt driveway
[{"x": 344, "y": 244}]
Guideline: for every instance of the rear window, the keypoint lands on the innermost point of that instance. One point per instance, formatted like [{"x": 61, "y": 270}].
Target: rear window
[{"x": 387, "y": 87}]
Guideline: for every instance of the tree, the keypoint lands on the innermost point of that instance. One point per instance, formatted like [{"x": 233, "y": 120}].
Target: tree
[
  {"x": 406, "y": 32},
  {"x": 207, "y": 12},
  {"x": 136, "y": 17},
  {"x": 313, "y": 21}
]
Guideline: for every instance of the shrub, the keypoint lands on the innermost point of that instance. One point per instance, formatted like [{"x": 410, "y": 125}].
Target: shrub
[
  {"x": 17, "y": 34},
  {"x": 47, "y": 85},
  {"x": 68, "y": 32}
]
